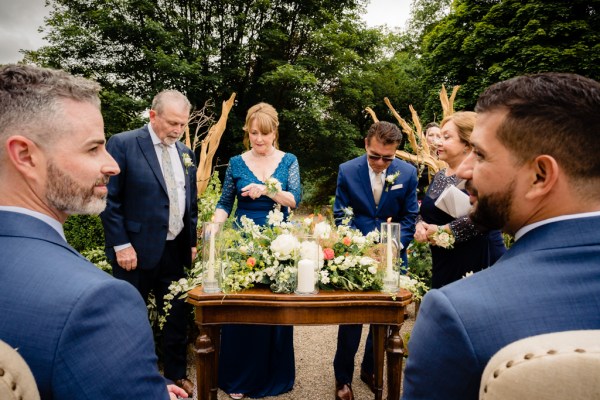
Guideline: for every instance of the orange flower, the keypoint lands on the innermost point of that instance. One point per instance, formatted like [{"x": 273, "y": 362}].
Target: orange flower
[
  {"x": 251, "y": 262},
  {"x": 347, "y": 241},
  {"x": 328, "y": 253}
]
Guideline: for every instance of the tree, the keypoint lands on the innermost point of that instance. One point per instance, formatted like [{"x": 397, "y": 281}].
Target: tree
[
  {"x": 298, "y": 55},
  {"x": 484, "y": 41}
]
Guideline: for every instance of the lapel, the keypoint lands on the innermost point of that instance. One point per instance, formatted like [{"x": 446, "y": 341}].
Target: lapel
[
  {"x": 386, "y": 187},
  {"x": 365, "y": 180},
  {"x": 147, "y": 147}
]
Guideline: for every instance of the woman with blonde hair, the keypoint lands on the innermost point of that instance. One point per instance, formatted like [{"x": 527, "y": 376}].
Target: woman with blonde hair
[
  {"x": 258, "y": 360},
  {"x": 473, "y": 249}
]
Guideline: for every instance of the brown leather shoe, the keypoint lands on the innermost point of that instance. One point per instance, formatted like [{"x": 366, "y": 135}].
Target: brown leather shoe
[
  {"x": 343, "y": 391},
  {"x": 368, "y": 379},
  {"x": 186, "y": 385}
]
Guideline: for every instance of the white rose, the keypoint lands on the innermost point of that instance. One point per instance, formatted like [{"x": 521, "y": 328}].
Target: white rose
[
  {"x": 359, "y": 240},
  {"x": 284, "y": 245},
  {"x": 322, "y": 230},
  {"x": 372, "y": 269},
  {"x": 243, "y": 249}
]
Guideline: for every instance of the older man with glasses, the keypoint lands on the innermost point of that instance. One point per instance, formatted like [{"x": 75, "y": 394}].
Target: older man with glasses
[{"x": 376, "y": 186}]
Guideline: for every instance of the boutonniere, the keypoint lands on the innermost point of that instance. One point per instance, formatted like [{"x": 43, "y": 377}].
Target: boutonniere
[
  {"x": 390, "y": 179},
  {"x": 187, "y": 161}
]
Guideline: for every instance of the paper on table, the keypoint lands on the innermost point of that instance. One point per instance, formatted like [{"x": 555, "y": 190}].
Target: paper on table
[{"x": 453, "y": 202}]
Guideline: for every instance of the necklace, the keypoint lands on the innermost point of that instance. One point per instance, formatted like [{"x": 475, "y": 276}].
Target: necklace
[{"x": 263, "y": 156}]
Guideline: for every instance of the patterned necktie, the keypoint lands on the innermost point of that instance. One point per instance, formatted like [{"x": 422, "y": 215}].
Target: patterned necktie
[
  {"x": 175, "y": 219},
  {"x": 377, "y": 188}
]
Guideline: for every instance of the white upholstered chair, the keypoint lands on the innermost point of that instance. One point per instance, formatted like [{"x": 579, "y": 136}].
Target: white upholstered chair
[
  {"x": 16, "y": 379},
  {"x": 561, "y": 365}
]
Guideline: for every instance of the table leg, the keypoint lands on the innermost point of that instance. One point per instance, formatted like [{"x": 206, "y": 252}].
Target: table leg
[
  {"x": 395, "y": 355},
  {"x": 379, "y": 332},
  {"x": 206, "y": 353}
]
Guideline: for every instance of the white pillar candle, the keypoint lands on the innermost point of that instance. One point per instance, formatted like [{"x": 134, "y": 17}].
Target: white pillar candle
[
  {"x": 306, "y": 276},
  {"x": 389, "y": 268},
  {"x": 210, "y": 276}
]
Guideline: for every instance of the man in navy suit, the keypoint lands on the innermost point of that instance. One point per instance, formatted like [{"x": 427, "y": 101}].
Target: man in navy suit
[
  {"x": 535, "y": 173},
  {"x": 362, "y": 186},
  {"x": 151, "y": 215},
  {"x": 84, "y": 334}
]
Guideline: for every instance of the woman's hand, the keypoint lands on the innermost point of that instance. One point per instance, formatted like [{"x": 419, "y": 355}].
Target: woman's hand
[
  {"x": 421, "y": 232},
  {"x": 254, "y": 191}
]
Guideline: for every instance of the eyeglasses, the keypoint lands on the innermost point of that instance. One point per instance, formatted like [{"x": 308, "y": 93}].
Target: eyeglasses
[{"x": 376, "y": 158}]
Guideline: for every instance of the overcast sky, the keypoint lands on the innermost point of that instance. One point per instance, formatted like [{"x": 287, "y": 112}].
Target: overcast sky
[{"x": 20, "y": 20}]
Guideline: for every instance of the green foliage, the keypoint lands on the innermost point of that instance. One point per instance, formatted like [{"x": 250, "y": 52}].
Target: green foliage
[
  {"x": 419, "y": 262},
  {"x": 207, "y": 202},
  {"x": 98, "y": 257},
  {"x": 483, "y": 42},
  {"x": 84, "y": 232}
]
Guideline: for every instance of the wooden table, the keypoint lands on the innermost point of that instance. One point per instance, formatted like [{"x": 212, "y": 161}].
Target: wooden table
[{"x": 260, "y": 306}]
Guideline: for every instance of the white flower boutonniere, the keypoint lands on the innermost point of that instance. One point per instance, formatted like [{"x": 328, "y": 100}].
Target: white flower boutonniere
[
  {"x": 273, "y": 187},
  {"x": 187, "y": 161},
  {"x": 390, "y": 179}
]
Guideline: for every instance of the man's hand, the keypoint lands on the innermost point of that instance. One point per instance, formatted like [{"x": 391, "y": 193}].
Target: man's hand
[
  {"x": 127, "y": 258},
  {"x": 194, "y": 253},
  {"x": 175, "y": 391}
]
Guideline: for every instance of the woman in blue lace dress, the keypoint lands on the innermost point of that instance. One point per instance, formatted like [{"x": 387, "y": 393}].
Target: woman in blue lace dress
[
  {"x": 473, "y": 249},
  {"x": 255, "y": 360}
]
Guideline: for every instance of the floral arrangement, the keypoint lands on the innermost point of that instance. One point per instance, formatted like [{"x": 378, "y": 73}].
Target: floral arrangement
[
  {"x": 273, "y": 186},
  {"x": 442, "y": 238},
  {"x": 346, "y": 259},
  {"x": 390, "y": 179}
]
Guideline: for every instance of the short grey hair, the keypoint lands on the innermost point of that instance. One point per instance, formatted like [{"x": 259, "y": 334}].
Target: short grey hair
[
  {"x": 31, "y": 101},
  {"x": 170, "y": 95}
]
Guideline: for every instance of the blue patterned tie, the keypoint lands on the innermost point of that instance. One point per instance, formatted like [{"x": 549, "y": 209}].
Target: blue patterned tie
[{"x": 175, "y": 220}]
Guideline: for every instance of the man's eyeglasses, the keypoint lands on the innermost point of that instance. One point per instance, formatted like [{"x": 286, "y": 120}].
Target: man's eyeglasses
[{"x": 376, "y": 158}]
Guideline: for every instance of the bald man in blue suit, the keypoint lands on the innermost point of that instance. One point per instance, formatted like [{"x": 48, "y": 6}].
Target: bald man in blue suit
[
  {"x": 357, "y": 179},
  {"x": 535, "y": 173},
  {"x": 83, "y": 333}
]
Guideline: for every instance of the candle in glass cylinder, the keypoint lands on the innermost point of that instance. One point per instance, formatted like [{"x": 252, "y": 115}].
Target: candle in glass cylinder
[
  {"x": 211, "y": 257},
  {"x": 389, "y": 269},
  {"x": 306, "y": 276}
]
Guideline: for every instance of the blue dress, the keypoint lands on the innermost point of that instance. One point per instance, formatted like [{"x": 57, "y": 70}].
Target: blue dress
[
  {"x": 257, "y": 360},
  {"x": 473, "y": 250}
]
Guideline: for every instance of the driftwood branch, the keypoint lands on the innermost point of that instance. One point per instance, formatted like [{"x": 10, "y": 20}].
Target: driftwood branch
[{"x": 209, "y": 145}]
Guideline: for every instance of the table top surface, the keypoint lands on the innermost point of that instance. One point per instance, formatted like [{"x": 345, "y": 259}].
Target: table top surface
[{"x": 402, "y": 296}]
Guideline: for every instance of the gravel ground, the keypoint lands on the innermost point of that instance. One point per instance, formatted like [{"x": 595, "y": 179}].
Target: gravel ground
[{"x": 314, "y": 348}]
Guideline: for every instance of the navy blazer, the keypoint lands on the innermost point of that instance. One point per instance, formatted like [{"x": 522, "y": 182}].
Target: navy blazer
[
  {"x": 398, "y": 200},
  {"x": 548, "y": 281},
  {"x": 137, "y": 210},
  {"x": 83, "y": 333}
]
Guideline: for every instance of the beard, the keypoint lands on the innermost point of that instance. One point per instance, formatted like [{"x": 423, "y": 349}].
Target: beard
[
  {"x": 66, "y": 195},
  {"x": 492, "y": 211}
]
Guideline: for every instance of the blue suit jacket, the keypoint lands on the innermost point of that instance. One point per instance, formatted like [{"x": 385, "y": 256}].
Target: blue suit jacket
[
  {"x": 84, "y": 334},
  {"x": 549, "y": 281},
  {"x": 398, "y": 201},
  {"x": 137, "y": 210}
]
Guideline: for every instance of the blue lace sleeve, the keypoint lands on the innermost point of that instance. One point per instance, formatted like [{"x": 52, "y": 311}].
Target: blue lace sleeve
[
  {"x": 228, "y": 192},
  {"x": 294, "y": 186}
]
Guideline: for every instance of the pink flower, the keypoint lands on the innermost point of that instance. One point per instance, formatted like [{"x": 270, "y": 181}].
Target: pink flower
[
  {"x": 328, "y": 253},
  {"x": 347, "y": 241},
  {"x": 251, "y": 262}
]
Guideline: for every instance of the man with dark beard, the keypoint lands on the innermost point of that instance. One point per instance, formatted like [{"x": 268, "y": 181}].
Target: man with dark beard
[
  {"x": 84, "y": 334},
  {"x": 534, "y": 172}
]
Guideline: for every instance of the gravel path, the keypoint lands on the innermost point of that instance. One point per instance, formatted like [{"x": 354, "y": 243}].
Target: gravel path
[{"x": 314, "y": 348}]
